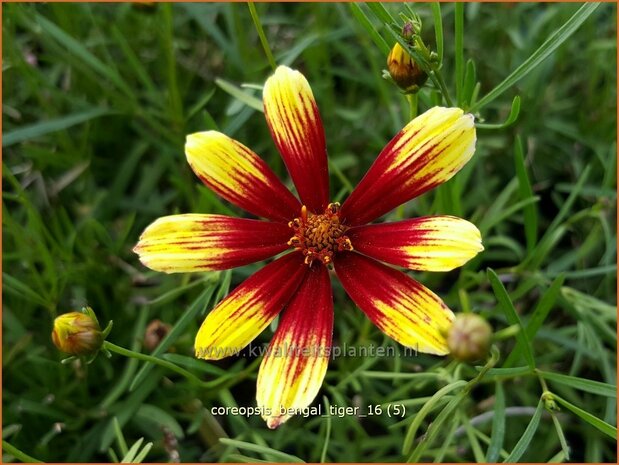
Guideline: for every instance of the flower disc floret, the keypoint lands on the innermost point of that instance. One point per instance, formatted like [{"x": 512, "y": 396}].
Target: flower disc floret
[{"x": 320, "y": 237}]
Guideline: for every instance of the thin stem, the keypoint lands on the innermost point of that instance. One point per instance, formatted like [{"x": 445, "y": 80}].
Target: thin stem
[
  {"x": 459, "y": 44},
  {"x": 438, "y": 30},
  {"x": 263, "y": 37},
  {"x": 18, "y": 454},
  {"x": 149, "y": 358},
  {"x": 442, "y": 86},
  {"x": 413, "y": 100}
]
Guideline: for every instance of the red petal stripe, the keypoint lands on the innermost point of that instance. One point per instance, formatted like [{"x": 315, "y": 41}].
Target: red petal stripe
[
  {"x": 296, "y": 127},
  {"x": 291, "y": 373},
  {"x": 398, "y": 305},
  {"x": 238, "y": 175},
  {"x": 426, "y": 153}
]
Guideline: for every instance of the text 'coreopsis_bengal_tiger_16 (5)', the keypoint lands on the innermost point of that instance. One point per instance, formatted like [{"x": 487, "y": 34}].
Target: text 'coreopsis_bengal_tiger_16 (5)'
[{"x": 317, "y": 236}]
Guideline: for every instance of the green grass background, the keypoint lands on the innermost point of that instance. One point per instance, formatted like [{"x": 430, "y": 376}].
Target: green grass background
[{"x": 97, "y": 100}]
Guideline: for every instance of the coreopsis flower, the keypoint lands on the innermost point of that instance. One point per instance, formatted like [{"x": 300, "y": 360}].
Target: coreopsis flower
[
  {"x": 317, "y": 235},
  {"x": 77, "y": 333}
]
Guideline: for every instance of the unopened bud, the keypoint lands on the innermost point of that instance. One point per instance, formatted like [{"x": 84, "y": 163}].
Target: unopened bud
[
  {"x": 408, "y": 30},
  {"x": 469, "y": 337},
  {"x": 77, "y": 333},
  {"x": 404, "y": 71}
]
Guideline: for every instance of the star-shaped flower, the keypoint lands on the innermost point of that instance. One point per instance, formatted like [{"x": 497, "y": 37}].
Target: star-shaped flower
[{"x": 317, "y": 236}]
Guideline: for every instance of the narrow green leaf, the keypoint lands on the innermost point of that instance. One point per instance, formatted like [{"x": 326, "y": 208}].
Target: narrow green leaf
[
  {"x": 498, "y": 425},
  {"x": 511, "y": 315},
  {"x": 130, "y": 455},
  {"x": 120, "y": 438},
  {"x": 556, "y": 229},
  {"x": 263, "y": 38},
  {"x": 594, "y": 421},
  {"x": 436, "y": 427},
  {"x": 80, "y": 51},
  {"x": 134, "y": 62},
  {"x": 10, "y": 449},
  {"x": 514, "y": 112},
  {"x": 14, "y": 286},
  {"x": 544, "y": 51},
  {"x": 537, "y": 318},
  {"x": 194, "y": 364},
  {"x": 143, "y": 453},
  {"x": 582, "y": 384},
  {"x": 190, "y": 314},
  {"x": 438, "y": 29},
  {"x": 564, "y": 447},
  {"x": 325, "y": 445},
  {"x": 53, "y": 125},
  {"x": 381, "y": 12},
  {"x": 238, "y": 94},
  {"x": 272, "y": 454},
  {"x": 427, "y": 408},
  {"x": 516, "y": 371},
  {"x": 459, "y": 50},
  {"x": 470, "y": 77},
  {"x": 161, "y": 418},
  {"x": 364, "y": 21},
  {"x": 523, "y": 443}
]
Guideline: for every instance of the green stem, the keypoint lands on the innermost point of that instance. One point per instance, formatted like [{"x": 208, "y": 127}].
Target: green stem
[
  {"x": 442, "y": 86},
  {"x": 459, "y": 45},
  {"x": 263, "y": 37},
  {"x": 15, "y": 452},
  {"x": 149, "y": 358},
  {"x": 438, "y": 30},
  {"x": 413, "y": 100}
]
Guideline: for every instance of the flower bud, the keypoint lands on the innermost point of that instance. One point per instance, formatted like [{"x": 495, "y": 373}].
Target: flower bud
[
  {"x": 469, "y": 337},
  {"x": 404, "y": 71},
  {"x": 77, "y": 333}
]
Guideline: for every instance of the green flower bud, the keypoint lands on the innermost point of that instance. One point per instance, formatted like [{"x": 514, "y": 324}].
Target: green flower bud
[{"x": 469, "y": 337}]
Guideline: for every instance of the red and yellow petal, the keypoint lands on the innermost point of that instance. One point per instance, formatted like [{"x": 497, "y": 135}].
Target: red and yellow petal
[
  {"x": 398, "y": 305},
  {"x": 296, "y": 127},
  {"x": 242, "y": 316},
  {"x": 294, "y": 367},
  {"x": 431, "y": 243},
  {"x": 185, "y": 243},
  {"x": 238, "y": 175},
  {"x": 427, "y": 152}
]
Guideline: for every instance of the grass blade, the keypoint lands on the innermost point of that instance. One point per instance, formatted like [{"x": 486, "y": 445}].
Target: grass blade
[
  {"x": 511, "y": 118},
  {"x": 191, "y": 313},
  {"x": 498, "y": 425},
  {"x": 459, "y": 50},
  {"x": 238, "y": 94},
  {"x": 523, "y": 443},
  {"x": 80, "y": 51},
  {"x": 364, "y": 21},
  {"x": 46, "y": 127},
  {"x": 591, "y": 419},
  {"x": 581, "y": 384},
  {"x": 438, "y": 29},
  {"x": 275, "y": 455},
  {"x": 537, "y": 318},
  {"x": 544, "y": 51},
  {"x": 428, "y": 406},
  {"x": 511, "y": 315}
]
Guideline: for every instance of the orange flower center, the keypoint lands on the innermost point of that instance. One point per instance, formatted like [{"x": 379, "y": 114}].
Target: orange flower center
[{"x": 319, "y": 237}]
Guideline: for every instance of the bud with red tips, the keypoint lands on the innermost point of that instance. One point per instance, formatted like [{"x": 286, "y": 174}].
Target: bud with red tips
[{"x": 78, "y": 333}]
